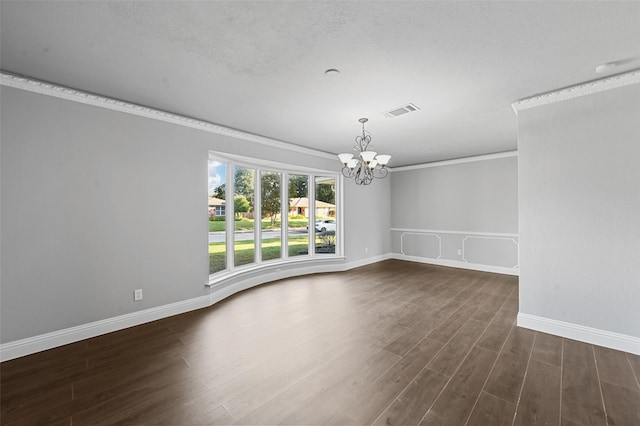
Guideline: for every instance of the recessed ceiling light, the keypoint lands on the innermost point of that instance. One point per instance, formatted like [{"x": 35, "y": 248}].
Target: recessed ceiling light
[
  {"x": 610, "y": 66},
  {"x": 332, "y": 72}
]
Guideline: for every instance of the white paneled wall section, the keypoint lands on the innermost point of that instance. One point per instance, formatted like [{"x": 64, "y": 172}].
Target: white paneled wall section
[{"x": 460, "y": 213}]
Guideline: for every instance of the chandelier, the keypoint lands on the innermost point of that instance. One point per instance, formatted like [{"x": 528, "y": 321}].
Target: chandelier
[{"x": 368, "y": 165}]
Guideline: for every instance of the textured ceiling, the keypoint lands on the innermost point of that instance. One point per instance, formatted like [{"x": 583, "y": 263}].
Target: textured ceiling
[{"x": 259, "y": 66}]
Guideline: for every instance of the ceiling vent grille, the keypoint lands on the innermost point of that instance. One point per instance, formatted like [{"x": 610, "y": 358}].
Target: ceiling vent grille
[{"x": 405, "y": 109}]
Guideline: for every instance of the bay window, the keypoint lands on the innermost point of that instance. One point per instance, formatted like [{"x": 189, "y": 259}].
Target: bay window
[{"x": 265, "y": 215}]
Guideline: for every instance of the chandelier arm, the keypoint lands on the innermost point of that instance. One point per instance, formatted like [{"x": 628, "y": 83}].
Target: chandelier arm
[
  {"x": 358, "y": 178},
  {"x": 347, "y": 172},
  {"x": 381, "y": 172}
]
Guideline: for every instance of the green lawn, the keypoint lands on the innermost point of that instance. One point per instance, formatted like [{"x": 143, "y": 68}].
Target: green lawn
[
  {"x": 247, "y": 224},
  {"x": 244, "y": 251}
]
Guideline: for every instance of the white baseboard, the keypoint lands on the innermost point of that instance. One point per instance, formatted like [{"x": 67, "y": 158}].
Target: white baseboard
[
  {"x": 31, "y": 345},
  {"x": 459, "y": 264},
  {"x": 595, "y": 336},
  {"x": 54, "y": 339},
  {"x": 223, "y": 291},
  {"x": 367, "y": 261}
]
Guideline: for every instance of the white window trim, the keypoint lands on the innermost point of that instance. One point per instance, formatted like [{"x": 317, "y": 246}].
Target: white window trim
[{"x": 285, "y": 170}]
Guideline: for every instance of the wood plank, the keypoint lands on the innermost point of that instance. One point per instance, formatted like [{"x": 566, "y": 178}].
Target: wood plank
[
  {"x": 388, "y": 387},
  {"x": 413, "y": 403},
  {"x": 540, "y": 399},
  {"x": 634, "y": 361},
  {"x": 455, "y": 403},
  {"x": 496, "y": 333},
  {"x": 281, "y": 406},
  {"x": 407, "y": 340},
  {"x": 454, "y": 352},
  {"x": 193, "y": 412},
  {"x": 447, "y": 329},
  {"x": 20, "y": 406},
  {"x": 491, "y": 410},
  {"x": 614, "y": 368},
  {"x": 342, "y": 419},
  {"x": 622, "y": 404},
  {"x": 337, "y": 395},
  {"x": 512, "y": 302},
  {"x": 581, "y": 397},
  {"x": 262, "y": 391},
  {"x": 142, "y": 404},
  {"x": 40, "y": 408},
  {"x": 507, "y": 376},
  {"x": 547, "y": 348},
  {"x": 355, "y": 362},
  {"x": 438, "y": 309},
  {"x": 568, "y": 422}
]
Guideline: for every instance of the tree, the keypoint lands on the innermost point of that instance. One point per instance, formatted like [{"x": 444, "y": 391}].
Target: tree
[
  {"x": 326, "y": 192},
  {"x": 219, "y": 192},
  {"x": 240, "y": 205},
  {"x": 270, "y": 196},
  {"x": 243, "y": 183},
  {"x": 298, "y": 186}
]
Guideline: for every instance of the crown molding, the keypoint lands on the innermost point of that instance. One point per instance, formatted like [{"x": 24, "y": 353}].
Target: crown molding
[
  {"x": 578, "y": 90},
  {"x": 463, "y": 160},
  {"x": 70, "y": 94}
]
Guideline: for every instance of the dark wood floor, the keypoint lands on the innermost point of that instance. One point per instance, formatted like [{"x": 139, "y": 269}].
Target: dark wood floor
[{"x": 390, "y": 343}]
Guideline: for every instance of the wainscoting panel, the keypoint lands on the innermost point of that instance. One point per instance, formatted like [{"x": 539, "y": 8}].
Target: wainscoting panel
[
  {"x": 488, "y": 250},
  {"x": 421, "y": 245},
  {"x": 484, "y": 251}
]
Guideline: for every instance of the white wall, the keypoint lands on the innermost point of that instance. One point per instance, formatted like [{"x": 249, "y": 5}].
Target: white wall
[
  {"x": 369, "y": 218},
  {"x": 579, "y": 197},
  {"x": 458, "y": 213},
  {"x": 96, "y": 203}
]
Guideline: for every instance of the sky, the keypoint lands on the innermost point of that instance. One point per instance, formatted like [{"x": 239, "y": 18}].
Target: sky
[{"x": 217, "y": 173}]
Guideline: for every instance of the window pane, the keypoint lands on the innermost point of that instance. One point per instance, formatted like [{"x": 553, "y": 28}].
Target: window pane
[
  {"x": 298, "y": 231},
  {"x": 325, "y": 215},
  {"x": 271, "y": 205},
  {"x": 244, "y": 202},
  {"x": 217, "y": 222}
]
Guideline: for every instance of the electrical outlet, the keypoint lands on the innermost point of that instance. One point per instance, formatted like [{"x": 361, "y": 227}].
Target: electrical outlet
[
  {"x": 459, "y": 252},
  {"x": 137, "y": 295},
  {"x": 366, "y": 250}
]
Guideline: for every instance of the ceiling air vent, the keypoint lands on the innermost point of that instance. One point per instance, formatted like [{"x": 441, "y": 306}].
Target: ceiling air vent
[{"x": 396, "y": 112}]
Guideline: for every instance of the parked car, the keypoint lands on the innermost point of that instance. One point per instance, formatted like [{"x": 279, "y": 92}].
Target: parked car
[{"x": 325, "y": 225}]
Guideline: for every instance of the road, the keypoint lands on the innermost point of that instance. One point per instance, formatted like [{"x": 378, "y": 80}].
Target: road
[{"x": 218, "y": 237}]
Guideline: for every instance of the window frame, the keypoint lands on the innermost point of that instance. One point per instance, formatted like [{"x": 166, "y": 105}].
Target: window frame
[{"x": 286, "y": 171}]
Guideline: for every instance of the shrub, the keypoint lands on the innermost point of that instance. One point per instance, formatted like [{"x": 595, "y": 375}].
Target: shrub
[{"x": 328, "y": 238}]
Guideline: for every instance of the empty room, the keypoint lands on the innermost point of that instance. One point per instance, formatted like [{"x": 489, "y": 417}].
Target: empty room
[{"x": 417, "y": 213}]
